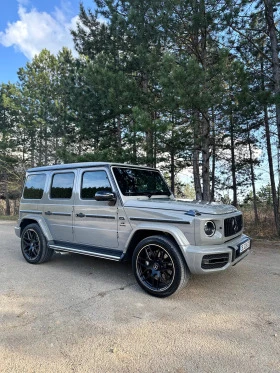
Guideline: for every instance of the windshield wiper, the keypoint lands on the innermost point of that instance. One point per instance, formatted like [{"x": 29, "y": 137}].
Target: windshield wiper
[{"x": 155, "y": 193}]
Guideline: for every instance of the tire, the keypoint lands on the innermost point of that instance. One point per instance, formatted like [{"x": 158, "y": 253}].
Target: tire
[
  {"x": 159, "y": 267},
  {"x": 34, "y": 245}
]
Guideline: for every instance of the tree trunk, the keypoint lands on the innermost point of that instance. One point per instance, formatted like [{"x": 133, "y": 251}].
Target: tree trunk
[
  {"x": 32, "y": 150},
  {"x": 270, "y": 158},
  {"x": 149, "y": 129},
  {"x": 271, "y": 170},
  {"x": 196, "y": 152},
  {"x": 134, "y": 143},
  {"x": 205, "y": 159},
  {"x": 45, "y": 144},
  {"x": 203, "y": 36},
  {"x": 6, "y": 195},
  {"x": 273, "y": 35},
  {"x": 40, "y": 155},
  {"x": 149, "y": 147},
  {"x": 119, "y": 133},
  {"x": 196, "y": 176},
  {"x": 253, "y": 179},
  {"x": 56, "y": 148},
  {"x": 15, "y": 212},
  {"x": 233, "y": 164},
  {"x": 213, "y": 159},
  {"x": 272, "y": 30},
  {"x": 155, "y": 145},
  {"x": 172, "y": 171}
]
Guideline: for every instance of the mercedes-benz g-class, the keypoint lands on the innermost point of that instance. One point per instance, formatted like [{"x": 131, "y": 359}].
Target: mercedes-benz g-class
[{"x": 119, "y": 211}]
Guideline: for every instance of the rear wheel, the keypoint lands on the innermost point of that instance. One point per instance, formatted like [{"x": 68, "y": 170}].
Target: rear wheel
[
  {"x": 34, "y": 245},
  {"x": 159, "y": 267}
]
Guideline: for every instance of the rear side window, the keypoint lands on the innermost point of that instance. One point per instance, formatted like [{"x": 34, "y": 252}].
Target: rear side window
[
  {"x": 34, "y": 186},
  {"x": 94, "y": 181},
  {"x": 62, "y": 185}
]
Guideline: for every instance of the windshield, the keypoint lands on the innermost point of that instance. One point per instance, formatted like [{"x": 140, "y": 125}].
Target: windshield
[{"x": 137, "y": 182}]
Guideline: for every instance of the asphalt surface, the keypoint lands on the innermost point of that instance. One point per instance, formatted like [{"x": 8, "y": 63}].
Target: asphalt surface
[{"x": 81, "y": 314}]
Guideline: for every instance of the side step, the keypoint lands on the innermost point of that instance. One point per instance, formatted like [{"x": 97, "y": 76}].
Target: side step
[{"x": 99, "y": 252}]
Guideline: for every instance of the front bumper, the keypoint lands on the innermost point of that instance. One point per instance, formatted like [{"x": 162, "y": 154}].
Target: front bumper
[{"x": 227, "y": 254}]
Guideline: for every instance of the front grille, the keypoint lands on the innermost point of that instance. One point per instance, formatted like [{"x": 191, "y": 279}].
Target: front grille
[
  {"x": 233, "y": 225},
  {"x": 214, "y": 261}
]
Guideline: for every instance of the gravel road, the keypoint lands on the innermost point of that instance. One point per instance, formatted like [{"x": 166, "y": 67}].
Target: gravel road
[{"x": 81, "y": 314}]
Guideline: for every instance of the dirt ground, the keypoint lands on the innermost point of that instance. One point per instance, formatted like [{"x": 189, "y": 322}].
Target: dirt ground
[{"x": 81, "y": 314}]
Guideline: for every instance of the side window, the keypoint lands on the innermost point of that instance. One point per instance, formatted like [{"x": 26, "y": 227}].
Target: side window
[
  {"x": 34, "y": 186},
  {"x": 94, "y": 181},
  {"x": 62, "y": 185}
]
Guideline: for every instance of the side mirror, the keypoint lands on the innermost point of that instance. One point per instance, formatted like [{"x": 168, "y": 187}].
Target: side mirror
[{"x": 103, "y": 195}]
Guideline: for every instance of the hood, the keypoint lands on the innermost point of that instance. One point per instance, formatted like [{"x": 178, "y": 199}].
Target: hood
[{"x": 191, "y": 207}]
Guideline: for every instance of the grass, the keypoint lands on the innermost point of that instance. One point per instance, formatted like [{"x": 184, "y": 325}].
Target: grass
[
  {"x": 265, "y": 229},
  {"x": 11, "y": 218}
]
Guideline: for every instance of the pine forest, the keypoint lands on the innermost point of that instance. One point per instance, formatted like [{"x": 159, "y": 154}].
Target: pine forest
[{"x": 187, "y": 86}]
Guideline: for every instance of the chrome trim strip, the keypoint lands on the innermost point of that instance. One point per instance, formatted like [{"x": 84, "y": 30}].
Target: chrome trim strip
[
  {"x": 100, "y": 216},
  {"x": 161, "y": 220},
  {"x": 61, "y": 213},
  {"x": 32, "y": 212},
  {"x": 84, "y": 252}
]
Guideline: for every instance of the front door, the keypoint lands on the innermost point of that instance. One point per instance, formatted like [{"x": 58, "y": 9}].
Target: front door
[{"x": 95, "y": 222}]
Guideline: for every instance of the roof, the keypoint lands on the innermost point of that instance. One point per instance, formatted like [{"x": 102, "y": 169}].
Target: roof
[{"x": 67, "y": 166}]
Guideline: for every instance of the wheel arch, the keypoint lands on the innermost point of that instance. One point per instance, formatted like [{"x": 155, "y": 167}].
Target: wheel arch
[
  {"x": 31, "y": 219},
  {"x": 142, "y": 232}
]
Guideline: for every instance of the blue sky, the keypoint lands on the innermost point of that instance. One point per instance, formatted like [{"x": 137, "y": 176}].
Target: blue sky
[{"x": 28, "y": 26}]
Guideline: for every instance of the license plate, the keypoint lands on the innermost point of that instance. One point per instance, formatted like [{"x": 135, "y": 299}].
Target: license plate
[{"x": 245, "y": 246}]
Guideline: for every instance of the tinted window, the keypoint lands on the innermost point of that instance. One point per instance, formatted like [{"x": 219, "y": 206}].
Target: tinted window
[
  {"x": 34, "y": 186},
  {"x": 62, "y": 185},
  {"x": 137, "y": 182},
  {"x": 94, "y": 181}
]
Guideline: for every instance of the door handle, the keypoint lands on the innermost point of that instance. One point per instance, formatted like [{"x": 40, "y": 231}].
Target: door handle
[
  {"x": 80, "y": 215},
  {"x": 48, "y": 213}
]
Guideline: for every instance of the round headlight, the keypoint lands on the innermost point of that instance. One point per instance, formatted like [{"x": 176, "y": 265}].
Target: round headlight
[{"x": 209, "y": 228}]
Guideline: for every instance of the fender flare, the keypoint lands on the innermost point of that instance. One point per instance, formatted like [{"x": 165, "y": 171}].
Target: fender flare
[
  {"x": 175, "y": 232},
  {"x": 42, "y": 224}
]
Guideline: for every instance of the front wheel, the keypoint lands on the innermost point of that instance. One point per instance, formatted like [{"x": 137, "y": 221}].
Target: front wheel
[
  {"x": 159, "y": 267},
  {"x": 34, "y": 245}
]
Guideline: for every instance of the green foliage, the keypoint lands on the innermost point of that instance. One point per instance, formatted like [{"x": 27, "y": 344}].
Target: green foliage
[{"x": 159, "y": 82}]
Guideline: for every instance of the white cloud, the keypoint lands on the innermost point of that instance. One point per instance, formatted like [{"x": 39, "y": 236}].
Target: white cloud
[
  {"x": 35, "y": 31},
  {"x": 23, "y": 2}
]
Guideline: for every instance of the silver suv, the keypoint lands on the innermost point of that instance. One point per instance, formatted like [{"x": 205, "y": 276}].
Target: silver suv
[{"x": 119, "y": 212}]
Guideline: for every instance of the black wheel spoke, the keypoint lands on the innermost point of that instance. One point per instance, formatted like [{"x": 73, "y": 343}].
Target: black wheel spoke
[
  {"x": 142, "y": 262},
  {"x": 148, "y": 253},
  {"x": 30, "y": 244},
  {"x": 155, "y": 267},
  {"x": 26, "y": 249},
  {"x": 149, "y": 276}
]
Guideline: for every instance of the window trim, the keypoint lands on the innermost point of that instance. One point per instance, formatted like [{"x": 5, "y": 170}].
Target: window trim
[
  {"x": 30, "y": 175},
  {"x": 139, "y": 168},
  {"x": 73, "y": 186},
  {"x": 81, "y": 185}
]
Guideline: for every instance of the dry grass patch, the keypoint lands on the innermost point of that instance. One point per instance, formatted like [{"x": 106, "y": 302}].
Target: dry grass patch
[{"x": 265, "y": 228}]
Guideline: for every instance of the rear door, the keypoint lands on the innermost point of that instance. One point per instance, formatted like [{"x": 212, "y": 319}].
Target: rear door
[
  {"x": 95, "y": 222},
  {"x": 58, "y": 210}
]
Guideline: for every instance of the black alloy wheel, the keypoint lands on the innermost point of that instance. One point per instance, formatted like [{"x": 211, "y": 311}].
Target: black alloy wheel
[
  {"x": 30, "y": 244},
  {"x": 34, "y": 245},
  {"x": 159, "y": 267},
  {"x": 155, "y": 267}
]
